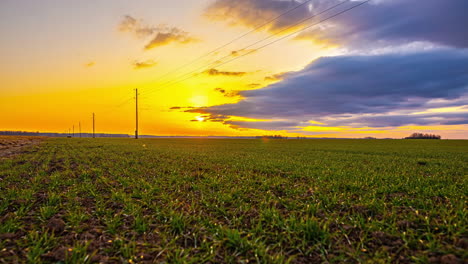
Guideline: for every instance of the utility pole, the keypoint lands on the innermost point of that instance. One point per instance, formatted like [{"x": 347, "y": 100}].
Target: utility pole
[
  {"x": 136, "y": 112},
  {"x": 73, "y": 131},
  {"x": 94, "y": 131},
  {"x": 79, "y": 125}
]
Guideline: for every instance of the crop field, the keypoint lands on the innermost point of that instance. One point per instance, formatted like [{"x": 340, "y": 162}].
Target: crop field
[
  {"x": 10, "y": 146},
  {"x": 235, "y": 201}
]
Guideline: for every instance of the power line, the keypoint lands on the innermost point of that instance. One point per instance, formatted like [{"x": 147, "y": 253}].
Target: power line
[
  {"x": 268, "y": 44},
  {"x": 255, "y": 43},
  {"x": 277, "y": 40},
  {"x": 94, "y": 131},
  {"x": 112, "y": 108},
  {"x": 235, "y": 39},
  {"x": 136, "y": 113},
  {"x": 170, "y": 82},
  {"x": 247, "y": 53}
]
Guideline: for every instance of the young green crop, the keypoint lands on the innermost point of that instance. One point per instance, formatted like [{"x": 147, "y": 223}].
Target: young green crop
[{"x": 235, "y": 200}]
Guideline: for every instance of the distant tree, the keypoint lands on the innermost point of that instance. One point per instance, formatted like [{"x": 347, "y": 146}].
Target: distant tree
[
  {"x": 18, "y": 133},
  {"x": 272, "y": 137},
  {"x": 423, "y": 136}
]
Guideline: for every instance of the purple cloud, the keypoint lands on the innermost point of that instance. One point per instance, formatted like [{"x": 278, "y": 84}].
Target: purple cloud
[{"x": 351, "y": 85}]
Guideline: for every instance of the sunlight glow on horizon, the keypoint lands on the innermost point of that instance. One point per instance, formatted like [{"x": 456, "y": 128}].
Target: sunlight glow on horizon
[{"x": 56, "y": 78}]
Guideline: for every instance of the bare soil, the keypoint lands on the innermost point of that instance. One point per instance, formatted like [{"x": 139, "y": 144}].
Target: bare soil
[{"x": 14, "y": 145}]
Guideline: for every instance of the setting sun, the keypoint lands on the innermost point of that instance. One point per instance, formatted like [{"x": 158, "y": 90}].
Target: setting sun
[
  {"x": 197, "y": 62},
  {"x": 199, "y": 100},
  {"x": 233, "y": 131}
]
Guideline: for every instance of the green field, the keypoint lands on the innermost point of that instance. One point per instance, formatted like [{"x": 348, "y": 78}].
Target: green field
[{"x": 235, "y": 201}]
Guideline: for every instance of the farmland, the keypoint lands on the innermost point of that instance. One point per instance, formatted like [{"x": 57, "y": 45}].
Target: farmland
[
  {"x": 235, "y": 201},
  {"x": 10, "y": 146}
]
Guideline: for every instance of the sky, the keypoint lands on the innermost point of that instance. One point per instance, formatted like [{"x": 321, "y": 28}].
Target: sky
[{"x": 313, "y": 68}]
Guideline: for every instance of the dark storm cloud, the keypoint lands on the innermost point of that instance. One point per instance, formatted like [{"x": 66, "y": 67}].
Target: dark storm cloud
[
  {"x": 350, "y": 85},
  {"x": 383, "y": 22}
]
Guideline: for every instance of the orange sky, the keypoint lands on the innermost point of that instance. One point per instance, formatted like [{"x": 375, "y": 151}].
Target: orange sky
[{"x": 61, "y": 62}]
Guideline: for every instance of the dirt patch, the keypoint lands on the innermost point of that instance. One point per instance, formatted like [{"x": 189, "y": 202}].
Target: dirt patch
[
  {"x": 14, "y": 145},
  {"x": 446, "y": 259},
  {"x": 56, "y": 225}
]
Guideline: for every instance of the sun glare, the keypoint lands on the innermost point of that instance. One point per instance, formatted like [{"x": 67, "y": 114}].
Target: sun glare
[{"x": 199, "y": 100}]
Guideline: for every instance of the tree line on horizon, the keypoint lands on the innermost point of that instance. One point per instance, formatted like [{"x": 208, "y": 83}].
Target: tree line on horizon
[
  {"x": 272, "y": 137},
  {"x": 423, "y": 136},
  {"x": 25, "y": 133},
  {"x": 53, "y": 134}
]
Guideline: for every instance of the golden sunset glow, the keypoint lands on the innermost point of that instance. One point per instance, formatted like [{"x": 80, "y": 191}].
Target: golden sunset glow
[{"x": 55, "y": 78}]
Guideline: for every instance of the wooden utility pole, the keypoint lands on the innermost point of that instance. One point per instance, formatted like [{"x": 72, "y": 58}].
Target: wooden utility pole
[
  {"x": 94, "y": 131},
  {"x": 79, "y": 124},
  {"x": 136, "y": 113},
  {"x": 73, "y": 131}
]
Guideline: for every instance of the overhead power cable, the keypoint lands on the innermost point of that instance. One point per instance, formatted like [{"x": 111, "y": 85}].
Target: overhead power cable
[
  {"x": 235, "y": 39},
  {"x": 191, "y": 74},
  {"x": 251, "y": 45},
  {"x": 218, "y": 48}
]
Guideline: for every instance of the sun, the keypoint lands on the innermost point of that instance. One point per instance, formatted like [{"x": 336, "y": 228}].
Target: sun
[
  {"x": 199, "y": 100},
  {"x": 200, "y": 118}
]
